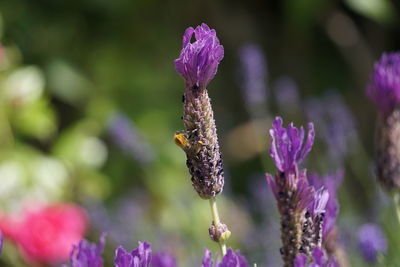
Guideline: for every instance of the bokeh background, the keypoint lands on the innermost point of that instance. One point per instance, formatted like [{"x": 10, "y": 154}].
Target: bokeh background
[{"x": 90, "y": 101}]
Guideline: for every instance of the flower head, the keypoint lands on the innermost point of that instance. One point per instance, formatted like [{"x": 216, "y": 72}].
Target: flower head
[
  {"x": 287, "y": 145},
  {"x": 231, "y": 259},
  {"x": 198, "y": 61},
  {"x": 372, "y": 241},
  {"x": 87, "y": 254},
  {"x": 318, "y": 260},
  {"x": 139, "y": 257},
  {"x": 384, "y": 89}
]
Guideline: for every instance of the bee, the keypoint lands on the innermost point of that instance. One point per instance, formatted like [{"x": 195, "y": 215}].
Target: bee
[{"x": 181, "y": 140}]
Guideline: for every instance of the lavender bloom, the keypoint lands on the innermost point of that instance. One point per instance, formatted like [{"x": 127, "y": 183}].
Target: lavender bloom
[
  {"x": 87, "y": 254},
  {"x": 198, "y": 65},
  {"x": 287, "y": 148},
  {"x": 331, "y": 182},
  {"x": 384, "y": 89},
  {"x": 318, "y": 259},
  {"x": 254, "y": 74},
  {"x": 163, "y": 260},
  {"x": 231, "y": 259},
  {"x": 290, "y": 185},
  {"x": 335, "y": 123},
  {"x": 287, "y": 94},
  {"x": 198, "y": 61},
  {"x": 125, "y": 135},
  {"x": 139, "y": 257},
  {"x": 372, "y": 241}
]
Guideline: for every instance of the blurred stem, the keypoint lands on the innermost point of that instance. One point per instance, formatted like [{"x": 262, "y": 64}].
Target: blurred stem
[
  {"x": 396, "y": 198},
  {"x": 216, "y": 222}
]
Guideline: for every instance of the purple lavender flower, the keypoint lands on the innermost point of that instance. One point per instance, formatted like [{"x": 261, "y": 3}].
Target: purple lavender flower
[
  {"x": 163, "y": 259},
  {"x": 254, "y": 74},
  {"x": 287, "y": 148},
  {"x": 318, "y": 259},
  {"x": 231, "y": 259},
  {"x": 198, "y": 61},
  {"x": 87, "y": 254},
  {"x": 290, "y": 185},
  {"x": 384, "y": 89},
  {"x": 139, "y": 257},
  {"x": 372, "y": 241},
  {"x": 287, "y": 94},
  {"x": 127, "y": 137}
]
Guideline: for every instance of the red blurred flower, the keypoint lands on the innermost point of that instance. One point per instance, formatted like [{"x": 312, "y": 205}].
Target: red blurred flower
[{"x": 46, "y": 235}]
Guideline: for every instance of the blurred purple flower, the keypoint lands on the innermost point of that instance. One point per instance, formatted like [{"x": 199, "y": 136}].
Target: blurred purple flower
[
  {"x": 371, "y": 241},
  {"x": 198, "y": 61},
  {"x": 287, "y": 148},
  {"x": 87, "y": 254},
  {"x": 139, "y": 257},
  {"x": 231, "y": 259},
  {"x": 163, "y": 259},
  {"x": 127, "y": 137},
  {"x": 335, "y": 122},
  {"x": 384, "y": 89},
  {"x": 287, "y": 94},
  {"x": 331, "y": 182},
  {"x": 254, "y": 71},
  {"x": 318, "y": 260}
]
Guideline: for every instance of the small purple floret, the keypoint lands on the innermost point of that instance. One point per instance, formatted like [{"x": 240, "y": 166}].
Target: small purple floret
[
  {"x": 384, "y": 89},
  {"x": 87, "y": 254},
  {"x": 288, "y": 148},
  {"x": 372, "y": 241},
  {"x": 198, "y": 61},
  {"x": 231, "y": 259},
  {"x": 140, "y": 257},
  {"x": 318, "y": 260}
]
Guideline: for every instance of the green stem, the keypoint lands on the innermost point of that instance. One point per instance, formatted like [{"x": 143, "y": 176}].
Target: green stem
[
  {"x": 396, "y": 198},
  {"x": 216, "y": 221}
]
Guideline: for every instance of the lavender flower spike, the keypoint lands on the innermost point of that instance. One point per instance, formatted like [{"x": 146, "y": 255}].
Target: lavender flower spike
[
  {"x": 87, "y": 254},
  {"x": 231, "y": 259},
  {"x": 198, "y": 61},
  {"x": 198, "y": 64},
  {"x": 372, "y": 241},
  {"x": 290, "y": 185},
  {"x": 140, "y": 257},
  {"x": 163, "y": 260},
  {"x": 384, "y": 89}
]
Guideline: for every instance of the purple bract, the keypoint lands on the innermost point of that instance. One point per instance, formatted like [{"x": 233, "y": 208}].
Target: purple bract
[
  {"x": 318, "y": 260},
  {"x": 231, "y": 259},
  {"x": 87, "y": 254},
  {"x": 140, "y": 257},
  {"x": 198, "y": 61},
  {"x": 384, "y": 89},
  {"x": 287, "y": 145}
]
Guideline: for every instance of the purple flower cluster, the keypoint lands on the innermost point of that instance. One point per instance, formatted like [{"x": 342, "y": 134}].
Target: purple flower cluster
[
  {"x": 372, "y": 241},
  {"x": 301, "y": 205},
  {"x": 198, "y": 61},
  {"x": 231, "y": 259},
  {"x": 254, "y": 74},
  {"x": 331, "y": 182},
  {"x": 89, "y": 255},
  {"x": 384, "y": 89},
  {"x": 318, "y": 260}
]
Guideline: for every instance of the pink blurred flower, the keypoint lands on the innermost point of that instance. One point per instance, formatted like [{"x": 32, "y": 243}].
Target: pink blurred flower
[{"x": 46, "y": 234}]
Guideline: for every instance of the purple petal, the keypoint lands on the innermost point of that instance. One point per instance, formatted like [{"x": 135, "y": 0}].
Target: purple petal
[{"x": 300, "y": 261}]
